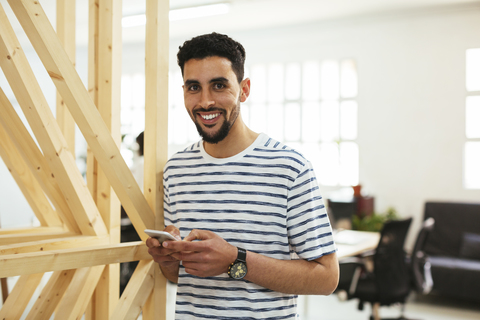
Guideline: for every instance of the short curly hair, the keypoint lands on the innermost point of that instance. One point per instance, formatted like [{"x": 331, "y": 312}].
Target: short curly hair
[{"x": 210, "y": 45}]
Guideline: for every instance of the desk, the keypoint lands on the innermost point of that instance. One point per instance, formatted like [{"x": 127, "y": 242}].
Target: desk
[{"x": 351, "y": 243}]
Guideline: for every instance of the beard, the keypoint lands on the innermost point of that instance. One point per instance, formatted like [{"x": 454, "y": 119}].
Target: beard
[{"x": 222, "y": 133}]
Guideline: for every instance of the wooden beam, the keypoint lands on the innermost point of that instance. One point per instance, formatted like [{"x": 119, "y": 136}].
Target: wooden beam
[
  {"x": 27, "y": 263},
  {"x": 93, "y": 26},
  {"x": 66, "y": 33},
  {"x": 7, "y": 239},
  {"x": 20, "y": 296},
  {"x": 27, "y": 182},
  {"x": 31, "y": 230},
  {"x": 78, "y": 294},
  {"x": 51, "y": 295},
  {"x": 136, "y": 293},
  {"x": 68, "y": 83},
  {"x": 37, "y": 162},
  {"x": 156, "y": 133},
  {"x": 54, "y": 244},
  {"x": 35, "y": 107}
]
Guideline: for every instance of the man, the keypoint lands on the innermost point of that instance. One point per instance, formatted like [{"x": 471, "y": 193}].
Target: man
[{"x": 255, "y": 231}]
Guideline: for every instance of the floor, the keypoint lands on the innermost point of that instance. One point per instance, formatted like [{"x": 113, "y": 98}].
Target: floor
[
  {"x": 425, "y": 307},
  {"x": 429, "y": 307}
]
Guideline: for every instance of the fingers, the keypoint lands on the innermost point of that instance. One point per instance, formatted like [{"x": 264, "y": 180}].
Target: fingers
[
  {"x": 152, "y": 242},
  {"x": 196, "y": 234}
]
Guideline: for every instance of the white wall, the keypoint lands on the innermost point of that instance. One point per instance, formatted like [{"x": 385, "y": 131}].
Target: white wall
[{"x": 411, "y": 97}]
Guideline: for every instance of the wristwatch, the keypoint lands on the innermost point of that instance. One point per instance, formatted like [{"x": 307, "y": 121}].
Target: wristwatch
[{"x": 238, "y": 269}]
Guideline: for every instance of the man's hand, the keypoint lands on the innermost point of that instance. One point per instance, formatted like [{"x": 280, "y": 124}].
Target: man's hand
[
  {"x": 208, "y": 257},
  {"x": 163, "y": 256}
]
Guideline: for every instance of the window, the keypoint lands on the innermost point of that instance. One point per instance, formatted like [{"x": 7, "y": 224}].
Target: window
[
  {"x": 311, "y": 107},
  {"x": 472, "y": 121}
]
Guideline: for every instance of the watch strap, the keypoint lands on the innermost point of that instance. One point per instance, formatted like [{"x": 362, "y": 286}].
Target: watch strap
[{"x": 242, "y": 255}]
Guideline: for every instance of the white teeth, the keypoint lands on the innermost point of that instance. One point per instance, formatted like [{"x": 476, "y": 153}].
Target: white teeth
[{"x": 210, "y": 116}]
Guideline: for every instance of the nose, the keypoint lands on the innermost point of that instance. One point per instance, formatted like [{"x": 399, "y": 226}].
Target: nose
[{"x": 206, "y": 100}]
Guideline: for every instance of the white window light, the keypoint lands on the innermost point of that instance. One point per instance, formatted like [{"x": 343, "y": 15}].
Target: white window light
[{"x": 180, "y": 14}]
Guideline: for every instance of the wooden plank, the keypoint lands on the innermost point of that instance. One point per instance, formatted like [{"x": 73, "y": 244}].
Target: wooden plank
[
  {"x": 31, "y": 230},
  {"x": 156, "y": 133},
  {"x": 68, "y": 83},
  {"x": 78, "y": 294},
  {"x": 51, "y": 295},
  {"x": 136, "y": 293},
  {"x": 27, "y": 182},
  {"x": 37, "y": 162},
  {"x": 92, "y": 164},
  {"x": 156, "y": 304},
  {"x": 30, "y": 97},
  {"x": 7, "y": 239},
  {"x": 54, "y": 244},
  {"x": 108, "y": 49},
  {"x": 156, "y": 104},
  {"x": 66, "y": 33},
  {"x": 27, "y": 263},
  {"x": 20, "y": 296},
  {"x": 93, "y": 25}
]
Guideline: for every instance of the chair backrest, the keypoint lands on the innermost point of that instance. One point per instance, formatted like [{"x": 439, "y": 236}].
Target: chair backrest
[
  {"x": 419, "y": 261},
  {"x": 391, "y": 271}
]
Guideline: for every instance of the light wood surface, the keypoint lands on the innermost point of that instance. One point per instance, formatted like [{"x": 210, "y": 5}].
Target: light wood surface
[{"x": 366, "y": 241}]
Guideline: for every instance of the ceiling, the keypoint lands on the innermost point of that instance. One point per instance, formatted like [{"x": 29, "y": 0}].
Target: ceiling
[{"x": 253, "y": 14}]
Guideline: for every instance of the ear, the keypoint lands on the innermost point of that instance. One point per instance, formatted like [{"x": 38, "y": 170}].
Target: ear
[{"x": 245, "y": 89}]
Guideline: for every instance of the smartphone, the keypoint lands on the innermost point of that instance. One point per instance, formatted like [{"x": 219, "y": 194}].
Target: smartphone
[{"x": 159, "y": 235}]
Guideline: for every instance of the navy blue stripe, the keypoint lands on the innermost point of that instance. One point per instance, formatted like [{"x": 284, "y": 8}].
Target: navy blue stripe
[
  {"x": 281, "y": 150},
  {"x": 230, "y": 182},
  {"x": 236, "y": 164},
  {"x": 319, "y": 207},
  {"x": 304, "y": 222},
  {"x": 316, "y": 247},
  {"x": 251, "y": 174},
  {"x": 323, "y": 235},
  {"x": 239, "y": 202},
  {"x": 201, "y": 306},
  {"x": 304, "y": 203},
  {"x": 250, "y": 222},
  {"x": 265, "y": 233},
  {"x": 302, "y": 194},
  {"x": 223, "y": 211},
  {"x": 273, "y": 158},
  {"x": 237, "y": 298},
  {"x": 206, "y": 316},
  {"x": 309, "y": 230},
  {"x": 236, "y": 192}
]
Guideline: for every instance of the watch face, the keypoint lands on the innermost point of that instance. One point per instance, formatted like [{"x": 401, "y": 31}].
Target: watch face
[{"x": 238, "y": 270}]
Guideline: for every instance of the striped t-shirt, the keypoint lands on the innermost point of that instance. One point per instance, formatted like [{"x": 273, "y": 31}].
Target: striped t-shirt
[{"x": 265, "y": 200}]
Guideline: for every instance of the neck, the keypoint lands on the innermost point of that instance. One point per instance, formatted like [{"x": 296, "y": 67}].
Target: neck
[{"x": 238, "y": 139}]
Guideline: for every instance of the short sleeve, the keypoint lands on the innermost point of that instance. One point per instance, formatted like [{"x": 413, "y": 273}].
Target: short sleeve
[{"x": 308, "y": 226}]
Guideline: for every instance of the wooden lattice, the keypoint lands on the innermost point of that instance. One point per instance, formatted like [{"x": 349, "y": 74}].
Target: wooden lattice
[{"x": 79, "y": 236}]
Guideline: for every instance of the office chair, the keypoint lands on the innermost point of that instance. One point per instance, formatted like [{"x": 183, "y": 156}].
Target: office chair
[
  {"x": 419, "y": 262},
  {"x": 390, "y": 280}
]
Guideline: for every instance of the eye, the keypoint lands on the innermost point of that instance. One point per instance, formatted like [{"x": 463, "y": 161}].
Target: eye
[
  {"x": 193, "y": 87},
  {"x": 218, "y": 86}
]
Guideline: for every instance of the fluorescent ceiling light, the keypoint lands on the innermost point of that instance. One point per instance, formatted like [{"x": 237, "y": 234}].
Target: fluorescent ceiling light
[{"x": 180, "y": 14}]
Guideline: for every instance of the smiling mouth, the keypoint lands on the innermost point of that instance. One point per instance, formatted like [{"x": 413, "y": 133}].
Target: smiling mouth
[{"x": 209, "y": 116}]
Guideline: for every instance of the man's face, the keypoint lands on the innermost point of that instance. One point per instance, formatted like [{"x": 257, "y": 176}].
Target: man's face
[{"x": 212, "y": 96}]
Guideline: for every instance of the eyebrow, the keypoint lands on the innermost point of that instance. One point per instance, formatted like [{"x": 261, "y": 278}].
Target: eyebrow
[{"x": 219, "y": 79}]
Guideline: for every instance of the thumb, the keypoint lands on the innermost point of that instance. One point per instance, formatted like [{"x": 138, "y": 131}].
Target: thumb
[{"x": 197, "y": 235}]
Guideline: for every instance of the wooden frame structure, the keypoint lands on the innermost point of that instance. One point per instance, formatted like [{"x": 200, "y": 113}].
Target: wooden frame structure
[{"x": 79, "y": 236}]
